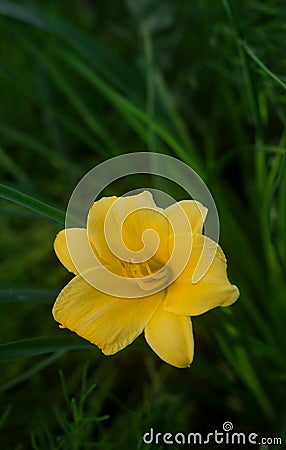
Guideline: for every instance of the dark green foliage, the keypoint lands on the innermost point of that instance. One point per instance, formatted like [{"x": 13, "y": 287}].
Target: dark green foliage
[{"x": 82, "y": 81}]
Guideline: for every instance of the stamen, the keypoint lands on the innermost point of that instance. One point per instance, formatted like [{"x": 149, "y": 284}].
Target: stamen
[
  {"x": 157, "y": 279},
  {"x": 145, "y": 278},
  {"x": 148, "y": 268}
]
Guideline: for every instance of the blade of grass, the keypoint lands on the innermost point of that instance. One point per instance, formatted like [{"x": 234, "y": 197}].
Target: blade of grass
[
  {"x": 39, "y": 296},
  {"x": 126, "y": 107},
  {"x": 51, "y": 157},
  {"x": 7, "y": 163},
  {"x": 5, "y": 415},
  {"x": 21, "y": 13},
  {"x": 150, "y": 94},
  {"x": 51, "y": 125},
  {"x": 67, "y": 122},
  {"x": 49, "y": 24},
  {"x": 175, "y": 120},
  {"x": 281, "y": 204},
  {"x": 254, "y": 330},
  {"x": 252, "y": 93},
  {"x": 238, "y": 359},
  {"x": 260, "y": 64},
  {"x": 25, "y": 348},
  {"x": 104, "y": 61},
  {"x": 29, "y": 202},
  {"x": 13, "y": 211},
  {"x": 31, "y": 372},
  {"x": 73, "y": 97},
  {"x": 152, "y": 139},
  {"x": 274, "y": 173}
]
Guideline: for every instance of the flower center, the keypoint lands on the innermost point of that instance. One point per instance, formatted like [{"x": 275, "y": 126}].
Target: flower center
[{"x": 145, "y": 278}]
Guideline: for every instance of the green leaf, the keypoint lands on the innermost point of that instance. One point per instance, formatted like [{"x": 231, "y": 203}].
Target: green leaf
[
  {"x": 15, "y": 170},
  {"x": 74, "y": 98},
  {"x": 29, "y": 202},
  {"x": 28, "y": 89},
  {"x": 55, "y": 159},
  {"x": 128, "y": 108},
  {"x": 39, "y": 346},
  {"x": 24, "y": 376},
  {"x": 260, "y": 64},
  {"x": 21, "y": 13},
  {"x": 103, "y": 60},
  {"x": 27, "y": 296},
  {"x": 252, "y": 92}
]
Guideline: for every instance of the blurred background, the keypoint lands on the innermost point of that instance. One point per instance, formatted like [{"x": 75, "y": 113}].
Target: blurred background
[{"x": 82, "y": 81}]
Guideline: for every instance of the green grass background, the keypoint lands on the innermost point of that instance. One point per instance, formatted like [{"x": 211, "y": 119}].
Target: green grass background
[{"x": 83, "y": 81}]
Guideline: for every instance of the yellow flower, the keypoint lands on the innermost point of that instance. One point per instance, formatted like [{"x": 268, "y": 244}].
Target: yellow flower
[{"x": 116, "y": 227}]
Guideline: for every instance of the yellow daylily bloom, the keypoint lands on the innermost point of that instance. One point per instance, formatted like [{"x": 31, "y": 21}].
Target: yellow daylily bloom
[{"x": 131, "y": 240}]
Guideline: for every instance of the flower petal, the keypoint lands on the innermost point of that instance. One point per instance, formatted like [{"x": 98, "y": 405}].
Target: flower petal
[
  {"x": 95, "y": 227},
  {"x": 146, "y": 231},
  {"x": 111, "y": 323},
  {"x": 116, "y": 227},
  {"x": 214, "y": 289},
  {"x": 73, "y": 249},
  {"x": 195, "y": 212},
  {"x": 171, "y": 337}
]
